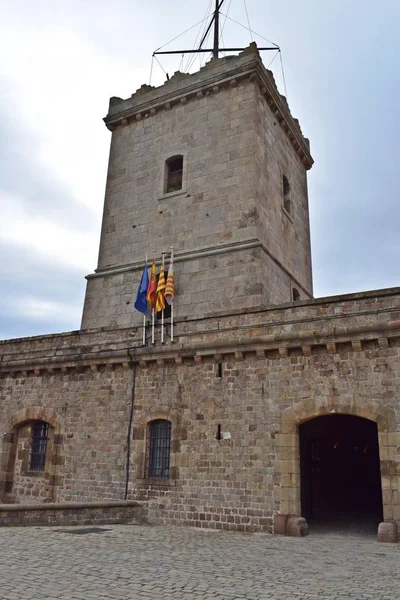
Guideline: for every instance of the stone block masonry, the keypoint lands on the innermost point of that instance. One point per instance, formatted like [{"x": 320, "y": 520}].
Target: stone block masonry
[
  {"x": 227, "y": 223},
  {"x": 235, "y": 388},
  {"x": 77, "y": 513}
]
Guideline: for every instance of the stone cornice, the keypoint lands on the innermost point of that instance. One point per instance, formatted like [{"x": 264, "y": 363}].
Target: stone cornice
[
  {"x": 180, "y": 257},
  {"x": 225, "y": 72},
  {"x": 201, "y": 253},
  {"x": 269, "y": 347}
]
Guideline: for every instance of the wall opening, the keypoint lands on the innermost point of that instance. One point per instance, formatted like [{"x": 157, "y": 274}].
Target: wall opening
[
  {"x": 340, "y": 471},
  {"x": 286, "y": 193},
  {"x": 174, "y": 174},
  {"x": 295, "y": 295}
]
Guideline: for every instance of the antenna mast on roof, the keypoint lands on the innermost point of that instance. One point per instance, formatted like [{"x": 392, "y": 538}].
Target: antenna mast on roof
[{"x": 215, "y": 50}]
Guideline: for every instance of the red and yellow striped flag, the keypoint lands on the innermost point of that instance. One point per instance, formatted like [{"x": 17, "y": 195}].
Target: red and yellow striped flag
[
  {"x": 160, "y": 301},
  {"x": 170, "y": 287},
  {"x": 152, "y": 288}
]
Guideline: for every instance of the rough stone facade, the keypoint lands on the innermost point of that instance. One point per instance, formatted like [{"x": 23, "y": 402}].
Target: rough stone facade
[
  {"x": 247, "y": 365},
  {"x": 280, "y": 367}
]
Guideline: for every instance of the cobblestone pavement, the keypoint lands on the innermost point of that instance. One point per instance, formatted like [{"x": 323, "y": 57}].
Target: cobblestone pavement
[{"x": 154, "y": 563}]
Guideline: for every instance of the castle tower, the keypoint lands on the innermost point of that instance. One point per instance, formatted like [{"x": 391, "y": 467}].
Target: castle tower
[{"x": 214, "y": 164}]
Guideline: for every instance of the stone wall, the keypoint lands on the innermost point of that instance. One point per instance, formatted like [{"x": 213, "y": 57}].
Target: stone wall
[
  {"x": 78, "y": 513},
  {"x": 279, "y": 367},
  {"x": 285, "y": 235}
]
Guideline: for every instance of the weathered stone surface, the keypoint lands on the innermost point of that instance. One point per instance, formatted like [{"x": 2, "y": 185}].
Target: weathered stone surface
[
  {"x": 387, "y": 532},
  {"x": 72, "y": 513},
  {"x": 280, "y": 522},
  {"x": 296, "y": 527}
]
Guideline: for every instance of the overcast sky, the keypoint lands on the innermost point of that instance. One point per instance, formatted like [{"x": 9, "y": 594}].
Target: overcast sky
[{"x": 62, "y": 60}]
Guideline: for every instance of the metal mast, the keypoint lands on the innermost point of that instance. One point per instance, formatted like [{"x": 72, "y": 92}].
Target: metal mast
[
  {"x": 216, "y": 28},
  {"x": 215, "y": 50}
]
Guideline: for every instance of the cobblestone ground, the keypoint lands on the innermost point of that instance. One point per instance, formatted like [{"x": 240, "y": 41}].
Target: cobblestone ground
[{"x": 154, "y": 563}]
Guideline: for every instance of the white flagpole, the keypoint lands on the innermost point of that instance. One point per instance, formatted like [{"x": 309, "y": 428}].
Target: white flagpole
[
  {"x": 152, "y": 311},
  {"x": 172, "y": 303},
  {"x": 162, "y": 312},
  {"x": 144, "y": 320}
]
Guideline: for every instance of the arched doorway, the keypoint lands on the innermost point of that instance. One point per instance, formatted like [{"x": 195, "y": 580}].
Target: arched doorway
[{"x": 340, "y": 470}]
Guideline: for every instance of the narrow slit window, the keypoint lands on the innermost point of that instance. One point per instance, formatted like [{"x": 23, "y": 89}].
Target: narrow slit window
[
  {"x": 286, "y": 193},
  {"x": 40, "y": 435},
  {"x": 158, "y": 449},
  {"x": 295, "y": 295},
  {"x": 174, "y": 172}
]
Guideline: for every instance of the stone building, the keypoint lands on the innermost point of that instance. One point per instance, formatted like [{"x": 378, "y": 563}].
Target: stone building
[{"x": 268, "y": 400}]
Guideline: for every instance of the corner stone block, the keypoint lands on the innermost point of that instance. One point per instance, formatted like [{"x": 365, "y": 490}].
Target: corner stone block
[
  {"x": 280, "y": 522},
  {"x": 296, "y": 527},
  {"x": 387, "y": 532}
]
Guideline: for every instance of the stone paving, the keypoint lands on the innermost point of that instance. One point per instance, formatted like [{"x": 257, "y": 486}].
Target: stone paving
[{"x": 159, "y": 563}]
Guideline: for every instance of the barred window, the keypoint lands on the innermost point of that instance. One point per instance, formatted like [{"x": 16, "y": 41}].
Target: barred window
[
  {"x": 158, "y": 449},
  {"x": 40, "y": 434}
]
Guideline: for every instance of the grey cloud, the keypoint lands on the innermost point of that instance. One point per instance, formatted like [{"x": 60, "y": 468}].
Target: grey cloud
[
  {"x": 24, "y": 275},
  {"x": 22, "y": 176}
]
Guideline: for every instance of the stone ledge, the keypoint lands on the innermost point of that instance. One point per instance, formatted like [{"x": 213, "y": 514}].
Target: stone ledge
[
  {"x": 71, "y": 513},
  {"x": 67, "y": 505},
  {"x": 215, "y": 350}
]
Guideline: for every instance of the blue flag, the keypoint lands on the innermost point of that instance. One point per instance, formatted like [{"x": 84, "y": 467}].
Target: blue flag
[{"x": 141, "y": 300}]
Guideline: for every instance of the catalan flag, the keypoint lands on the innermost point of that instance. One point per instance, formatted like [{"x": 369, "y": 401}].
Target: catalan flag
[
  {"x": 152, "y": 287},
  {"x": 160, "y": 301},
  {"x": 170, "y": 288}
]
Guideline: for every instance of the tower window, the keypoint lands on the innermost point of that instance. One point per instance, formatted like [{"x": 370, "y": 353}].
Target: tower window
[
  {"x": 158, "y": 449},
  {"x": 295, "y": 295},
  {"x": 174, "y": 171},
  {"x": 286, "y": 193},
  {"x": 40, "y": 434}
]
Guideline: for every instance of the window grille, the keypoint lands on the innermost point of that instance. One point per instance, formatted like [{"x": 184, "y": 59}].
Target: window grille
[
  {"x": 158, "y": 449},
  {"x": 40, "y": 434},
  {"x": 174, "y": 174}
]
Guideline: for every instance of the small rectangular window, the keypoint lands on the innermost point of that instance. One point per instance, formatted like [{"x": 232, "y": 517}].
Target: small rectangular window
[
  {"x": 286, "y": 193},
  {"x": 295, "y": 295},
  {"x": 40, "y": 434},
  {"x": 174, "y": 173}
]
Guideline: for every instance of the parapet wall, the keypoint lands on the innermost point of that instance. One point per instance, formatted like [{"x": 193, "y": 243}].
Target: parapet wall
[{"x": 320, "y": 322}]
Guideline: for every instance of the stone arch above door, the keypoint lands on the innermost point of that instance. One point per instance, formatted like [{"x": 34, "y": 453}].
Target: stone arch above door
[{"x": 287, "y": 463}]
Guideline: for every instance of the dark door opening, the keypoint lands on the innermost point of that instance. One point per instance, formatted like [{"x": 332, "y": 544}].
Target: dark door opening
[{"x": 340, "y": 470}]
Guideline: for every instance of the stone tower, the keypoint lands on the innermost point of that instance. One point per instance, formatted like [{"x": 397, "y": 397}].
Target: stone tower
[{"x": 214, "y": 164}]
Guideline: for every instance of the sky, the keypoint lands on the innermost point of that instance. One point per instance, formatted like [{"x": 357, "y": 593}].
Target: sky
[{"x": 61, "y": 61}]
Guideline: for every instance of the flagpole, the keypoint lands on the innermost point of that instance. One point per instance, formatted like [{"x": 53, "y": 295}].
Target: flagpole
[
  {"x": 144, "y": 319},
  {"x": 162, "y": 312},
  {"x": 172, "y": 303},
  {"x": 152, "y": 311}
]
